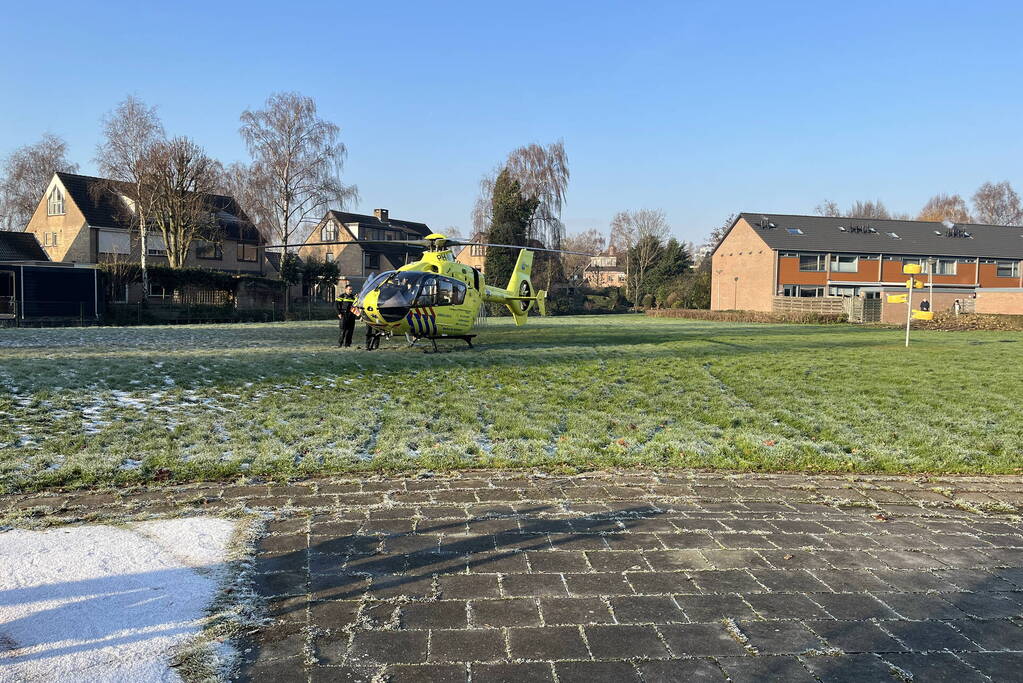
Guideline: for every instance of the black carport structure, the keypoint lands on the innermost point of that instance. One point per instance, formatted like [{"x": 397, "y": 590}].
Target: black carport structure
[{"x": 37, "y": 291}]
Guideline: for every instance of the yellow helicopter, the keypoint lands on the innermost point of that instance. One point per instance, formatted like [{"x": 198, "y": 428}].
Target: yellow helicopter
[{"x": 440, "y": 298}]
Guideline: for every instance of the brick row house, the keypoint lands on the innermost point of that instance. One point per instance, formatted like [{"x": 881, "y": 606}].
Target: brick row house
[
  {"x": 83, "y": 219},
  {"x": 765, "y": 259},
  {"x": 356, "y": 262},
  {"x": 605, "y": 270}
]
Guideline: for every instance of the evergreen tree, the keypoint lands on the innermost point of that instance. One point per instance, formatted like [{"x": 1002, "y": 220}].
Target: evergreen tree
[
  {"x": 672, "y": 262},
  {"x": 509, "y": 225}
]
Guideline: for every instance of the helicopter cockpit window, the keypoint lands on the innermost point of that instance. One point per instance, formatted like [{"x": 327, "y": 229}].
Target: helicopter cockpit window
[
  {"x": 399, "y": 290},
  {"x": 428, "y": 294},
  {"x": 445, "y": 293},
  {"x": 458, "y": 296},
  {"x": 372, "y": 282}
]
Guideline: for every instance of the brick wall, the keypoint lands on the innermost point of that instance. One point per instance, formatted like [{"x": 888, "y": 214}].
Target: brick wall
[
  {"x": 940, "y": 301},
  {"x": 743, "y": 255},
  {"x": 74, "y": 242},
  {"x": 1000, "y": 302}
]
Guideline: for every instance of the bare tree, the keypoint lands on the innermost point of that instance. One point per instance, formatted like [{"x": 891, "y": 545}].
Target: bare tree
[
  {"x": 590, "y": 241},
  {"x": 997, "y": 204},
  {"x": 827, "y": 207},
  {"x": 297, "y": 160},
  {"x": 181, "y": 180},
  {"x": 129, "y": 133},
  {"x": 945, "y": 207},
  {"x": 860, "y": 209},
  {"x": 622, "y": 240},
  {"x": 644, "y": 231},
  {"x": 542, "y": 172},
  {"x": 26, "y": 173},
  {"x": 868, "y": 209},
  {"x": 236, "y": 181}
]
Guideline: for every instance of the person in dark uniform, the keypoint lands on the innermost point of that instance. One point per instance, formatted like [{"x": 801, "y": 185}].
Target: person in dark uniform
[{"x": 346, "y": 316}]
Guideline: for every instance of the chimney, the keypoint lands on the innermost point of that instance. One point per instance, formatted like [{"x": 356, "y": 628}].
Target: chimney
[{"x": 381, "y": 215}]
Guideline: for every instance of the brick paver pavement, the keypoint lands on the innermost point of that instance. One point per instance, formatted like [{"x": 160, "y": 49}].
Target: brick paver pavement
[{"x": 621, "y": 576}]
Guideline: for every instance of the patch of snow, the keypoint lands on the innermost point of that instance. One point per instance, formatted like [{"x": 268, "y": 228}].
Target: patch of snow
[{"x": 103, "y": 603}]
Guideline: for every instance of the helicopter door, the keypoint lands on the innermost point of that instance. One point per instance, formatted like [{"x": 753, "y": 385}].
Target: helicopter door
[
  {"x": 445, "y": 293},
  {"x": 428, "y": 294},
  {"x": 458, "y": 296}
]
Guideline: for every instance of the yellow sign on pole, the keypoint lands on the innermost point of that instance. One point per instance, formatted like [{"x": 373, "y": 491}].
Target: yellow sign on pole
[
  {"x": 912, "y": 270},
  {"x": 898, "y": 298},
  {"x": 923, "y": 315}
]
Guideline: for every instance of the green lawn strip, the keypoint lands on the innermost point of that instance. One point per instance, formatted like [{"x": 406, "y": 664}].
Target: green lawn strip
[{"x": 123, "y": 405}]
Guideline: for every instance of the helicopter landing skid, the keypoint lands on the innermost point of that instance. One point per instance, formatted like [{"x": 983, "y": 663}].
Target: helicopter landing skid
[{"x": 467, "y": 338}]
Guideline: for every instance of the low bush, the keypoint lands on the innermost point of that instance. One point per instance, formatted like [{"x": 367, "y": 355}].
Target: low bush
[
  {"x": 971, "y": 321},
  {"x": 749, "y": 316}
]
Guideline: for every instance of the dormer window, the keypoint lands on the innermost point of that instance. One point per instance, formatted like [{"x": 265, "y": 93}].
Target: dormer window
[
  {"x": 55, "y": 203},
  {"x": 329, "y": 232}
]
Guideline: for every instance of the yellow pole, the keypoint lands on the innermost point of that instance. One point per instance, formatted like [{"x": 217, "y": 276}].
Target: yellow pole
[{"x": 909, "y": 307}]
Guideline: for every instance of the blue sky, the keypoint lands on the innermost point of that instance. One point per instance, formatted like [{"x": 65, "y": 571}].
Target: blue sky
[{"x": 699, "y": 109}]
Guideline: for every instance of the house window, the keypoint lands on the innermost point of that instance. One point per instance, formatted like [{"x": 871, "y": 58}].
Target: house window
[
  {"x": 371, "y": 261},
  {"x": 160, "y": 292},
  {"x": 209, "y": 250},
  {"x": 47, "y": 236},
  {"x": 843, "y": 291},
  {"x": 1008, "y": 269},
  {"x": 794, "y": 231},
  {"x": 845, "y": 264},
  {"x": 813, "y": 263},
  {"x": 802, "y": 290},
  {"x": 378, "y": 235},
  {"x": 945, "y": 267},
  {"x": 330, "y": 257},
  {"x": 156, "y": 246},
  {"x": 113, "y": 242},
  {"x": 329, "y": 232},
  {"x": 477, "y": 250},
  {"x": 246, "y": 252},
  {"x": 55, "y": 203}
]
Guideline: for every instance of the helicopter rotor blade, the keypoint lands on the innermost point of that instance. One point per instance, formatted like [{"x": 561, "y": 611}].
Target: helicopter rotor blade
[
  {"x": 427, "y": 244},
  {"x": 411, "y": 243},
  {"x": 455, "y": 243}
]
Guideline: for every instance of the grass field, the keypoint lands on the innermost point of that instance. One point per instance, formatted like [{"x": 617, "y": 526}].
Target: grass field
[{"x": 85, "y": 406}]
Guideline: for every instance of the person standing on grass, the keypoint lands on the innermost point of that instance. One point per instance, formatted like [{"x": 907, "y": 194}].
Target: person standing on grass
[{"x": 346, "y": 316}]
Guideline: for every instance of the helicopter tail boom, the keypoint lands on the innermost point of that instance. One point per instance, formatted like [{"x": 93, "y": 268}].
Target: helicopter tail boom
[{"x": 519, "y": 295}]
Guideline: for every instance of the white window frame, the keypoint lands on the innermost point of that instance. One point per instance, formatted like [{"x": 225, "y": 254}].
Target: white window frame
[
  {"x": 822, "y": 261},
  {"x": 1013, "y": 267},
  {"x": 55, "y": 202},
  {"x": 838, "y": 265}
]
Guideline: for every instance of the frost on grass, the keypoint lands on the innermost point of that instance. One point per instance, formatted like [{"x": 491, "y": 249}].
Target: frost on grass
[{"x": 119, "y": 404}]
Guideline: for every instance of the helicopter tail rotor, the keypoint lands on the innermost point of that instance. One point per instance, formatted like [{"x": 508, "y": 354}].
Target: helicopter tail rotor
[{"x": 522, "y": 287}]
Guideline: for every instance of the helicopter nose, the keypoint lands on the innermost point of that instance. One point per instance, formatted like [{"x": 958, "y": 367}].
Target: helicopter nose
[{"x": 392, "y": 314}]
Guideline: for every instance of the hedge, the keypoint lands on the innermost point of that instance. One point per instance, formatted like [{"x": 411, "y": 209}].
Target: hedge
[
  {"x": 748, "y": 316},
  {"x": 179, "y": 278}
]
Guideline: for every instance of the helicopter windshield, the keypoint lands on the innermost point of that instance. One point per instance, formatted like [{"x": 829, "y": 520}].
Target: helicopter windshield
[
  {"x": 372, "y": 283},
  {"x": 401, "y": 289}
]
